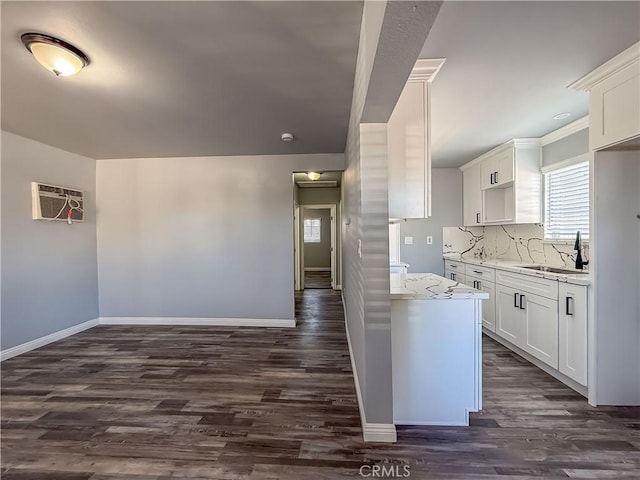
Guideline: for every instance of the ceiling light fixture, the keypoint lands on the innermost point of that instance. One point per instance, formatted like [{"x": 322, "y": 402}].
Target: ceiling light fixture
[
  {"x": 562, "y": 116},
  {"x": 287, "y": 137},
  {"x": 313, "y": 176},
  {"x": 54, "y": 54}
]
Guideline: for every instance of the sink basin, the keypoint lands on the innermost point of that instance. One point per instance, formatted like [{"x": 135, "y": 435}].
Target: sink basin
[{"x": 564, "y": 271}]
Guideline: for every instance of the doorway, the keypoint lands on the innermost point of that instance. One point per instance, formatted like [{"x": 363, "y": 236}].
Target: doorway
[{"x": 317, "y": 246}]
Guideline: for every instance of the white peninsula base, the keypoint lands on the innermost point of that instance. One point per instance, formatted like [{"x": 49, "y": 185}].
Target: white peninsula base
[{"x": 436, "y": 331}]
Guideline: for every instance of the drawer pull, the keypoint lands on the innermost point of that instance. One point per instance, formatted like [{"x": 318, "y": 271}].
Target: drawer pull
[
  {"x": 522, "y": 297},
  {"x": 476, "y": 271},
  {"x": 568, "y": 306},
  {"x": 453, "y": 266}
]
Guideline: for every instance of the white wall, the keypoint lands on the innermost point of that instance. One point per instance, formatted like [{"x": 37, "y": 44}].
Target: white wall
[
  {"x": 199, "y": 237},
  {"x": 49, "y": 269},
  {"x": 446, "y": 198}
]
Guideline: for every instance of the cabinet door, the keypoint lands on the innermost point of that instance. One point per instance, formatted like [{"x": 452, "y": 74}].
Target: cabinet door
[
  {"x": 509, "y": 317},
  {"x": 572, "y": 332},
  {"x": 504, "y": 167},
  {"x": 488, "y": 305},
  {"x": 408, "y": 162},
  {"x": 472, "y": 196},
  {"x": 498, "y": 169},
  {"x": 541, "y": 320}
]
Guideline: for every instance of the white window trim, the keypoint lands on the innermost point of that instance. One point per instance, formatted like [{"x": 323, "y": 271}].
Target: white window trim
[{"x": 584, "y": 158}]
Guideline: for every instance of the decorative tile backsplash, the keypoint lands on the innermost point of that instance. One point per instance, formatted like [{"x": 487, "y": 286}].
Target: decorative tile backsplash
[{"x": 523, "y": 243}]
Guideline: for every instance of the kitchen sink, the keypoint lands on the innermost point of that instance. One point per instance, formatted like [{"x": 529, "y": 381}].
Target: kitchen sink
[{"x": 564, "y": 271}]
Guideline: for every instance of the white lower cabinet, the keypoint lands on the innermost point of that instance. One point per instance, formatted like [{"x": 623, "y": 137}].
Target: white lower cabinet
[
  {"x": 509, "y": 319},
  {"x": 572, "y": 332},
  {"x": 528, "y": 320},
  {"x": 545, "y": 318},
  {"x": 483, "y": 279},
  {"x": 541, "y": 327}
]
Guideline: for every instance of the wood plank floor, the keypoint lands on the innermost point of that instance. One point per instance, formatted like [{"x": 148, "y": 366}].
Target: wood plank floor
[
  {"x": 151, "y": 403},
  {"x": 317, "y": 279}
]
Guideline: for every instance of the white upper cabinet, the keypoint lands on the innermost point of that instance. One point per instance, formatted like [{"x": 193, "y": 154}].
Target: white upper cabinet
[
  {"x": 510, "y": 185},
  {"x": 614, "y": 100},
  {"x": 408, "y": 145},
  {"x": 472, "y": 196},
  {"x": 497, "y": 170}
]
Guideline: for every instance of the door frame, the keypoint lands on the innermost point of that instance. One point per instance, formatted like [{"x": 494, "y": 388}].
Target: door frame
[
  {"x": 332, "y": 207},
  {"x": 296, "y": 248}
]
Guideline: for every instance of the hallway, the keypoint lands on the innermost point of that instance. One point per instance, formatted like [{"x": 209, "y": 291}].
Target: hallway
[{"x": 160, "y": 402}]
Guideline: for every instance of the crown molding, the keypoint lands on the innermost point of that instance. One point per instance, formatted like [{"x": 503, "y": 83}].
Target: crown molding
[
  {"x": 513, "y": 143},
  {"x": 426, "y": 69},
  {"x": 563, "y": 132},
  {"x": 624, "y": 59}
]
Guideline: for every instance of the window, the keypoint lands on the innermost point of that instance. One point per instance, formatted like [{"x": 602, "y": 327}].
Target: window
[
  {"x": 566, "y": 208},
  {"x": 311, "y": 230}
]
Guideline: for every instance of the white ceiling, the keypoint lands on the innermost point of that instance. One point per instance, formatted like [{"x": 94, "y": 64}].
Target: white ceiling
[
  {"x": 185, "y": 78},
  {"x": 508, "y": 65}
]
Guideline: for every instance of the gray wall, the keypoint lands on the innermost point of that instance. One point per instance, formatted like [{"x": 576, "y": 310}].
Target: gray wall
[
  {"x": 49, "y": 269},
  {"x": 566, "y": 148},
  {"x": 446, "y": 197},
  {"x": 319, "y": 254},
  {"x": 327, "y": 196},
  {"x": 391, "y": 36},
  {"x": 198, "y": 236}
]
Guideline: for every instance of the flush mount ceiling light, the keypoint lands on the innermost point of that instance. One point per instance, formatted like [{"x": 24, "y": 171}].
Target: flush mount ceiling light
[
  {"x": 287, "y": 137},
  {"x": 313, "y": 176},
  {"x": 561, "y": 116},
  {"x": 54, "y": 54}
]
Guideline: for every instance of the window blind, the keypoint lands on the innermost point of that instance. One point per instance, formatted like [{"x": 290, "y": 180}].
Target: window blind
[
  {"x": 567, "y": 202},
  {"x": 312, "y": 230}
]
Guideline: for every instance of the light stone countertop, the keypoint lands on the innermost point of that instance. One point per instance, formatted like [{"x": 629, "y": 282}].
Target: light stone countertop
[
  {"x": 429, "y": 286},
  {"x": 516, "y": 267}
]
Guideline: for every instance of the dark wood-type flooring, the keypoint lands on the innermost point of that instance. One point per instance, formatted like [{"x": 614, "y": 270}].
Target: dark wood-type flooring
[
  {"x": 317, "y": 279},
  {"x": 151, "y": 403}
]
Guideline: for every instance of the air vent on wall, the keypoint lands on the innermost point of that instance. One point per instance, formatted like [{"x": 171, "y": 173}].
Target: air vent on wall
[{"x": 51, "y": 203}]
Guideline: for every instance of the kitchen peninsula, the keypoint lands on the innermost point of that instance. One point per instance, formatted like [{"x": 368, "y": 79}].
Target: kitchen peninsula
[{"x": 436, "y": 331}]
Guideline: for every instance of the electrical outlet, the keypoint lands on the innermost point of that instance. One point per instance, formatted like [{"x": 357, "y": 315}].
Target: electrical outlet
[
  {"x": 429, "y": 240},
  {"x": 408, "y": 240}
]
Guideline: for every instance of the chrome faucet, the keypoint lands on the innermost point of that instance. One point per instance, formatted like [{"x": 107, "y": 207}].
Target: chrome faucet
[{"x": 578, "y": 247}]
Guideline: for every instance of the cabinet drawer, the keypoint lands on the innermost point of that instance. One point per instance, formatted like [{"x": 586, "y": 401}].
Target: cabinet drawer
[
  {"x": 531, "y": 284},
  {"x": 480, "y": 273},
  {"x": 454, "y": 266}
]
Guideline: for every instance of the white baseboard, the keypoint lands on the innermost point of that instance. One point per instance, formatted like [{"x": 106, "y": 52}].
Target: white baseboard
[
  {"x": 219, "y": 322},
  {"x": 379, "y": 432},
  {"x": 215, "y": 322},
  {"x": 371, "y": 432},
  {"x": 317, "y": 269},
  {"x": 338, "y": 287},
  {"x": 47, "y": 339}
]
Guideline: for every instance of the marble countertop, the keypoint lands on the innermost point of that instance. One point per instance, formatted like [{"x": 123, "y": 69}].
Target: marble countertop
[
  {"x": 516, "y": 267},
  {"x": 429, "y": 286}
]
